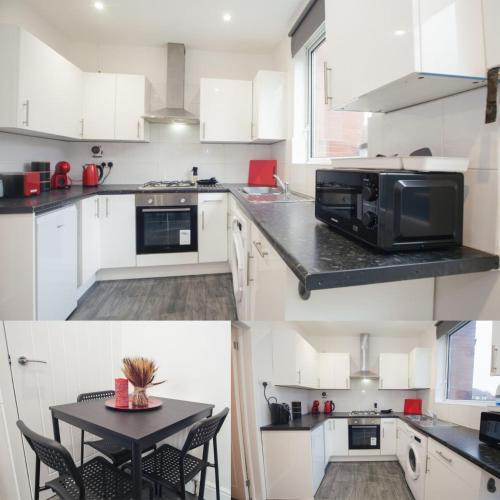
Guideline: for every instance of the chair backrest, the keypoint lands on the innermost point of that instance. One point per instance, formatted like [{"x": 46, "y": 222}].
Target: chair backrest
[
  {"x": 204, "y": 431},
  {"x": 92, "y": 396},
  {"x": 53, "y": 454}
]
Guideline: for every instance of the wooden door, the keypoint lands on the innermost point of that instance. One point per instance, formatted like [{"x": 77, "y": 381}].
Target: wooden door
[{"x": 78, "y": 357}]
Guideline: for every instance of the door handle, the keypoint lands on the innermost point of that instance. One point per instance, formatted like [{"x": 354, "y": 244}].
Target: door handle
[
  {"x": 82, "y": 123},
  {"x": 96, "y": 203},
  {"x": 326, "y": 72},
  {"x": 138, "y": 129},
  {"x": 203, "y": 130},
  {"x": 248, "y": 269},
  {"x": 107, "y": 207},
  {"x": 202, "y": 220},
  {"x": 26, "y": 105},
  {"x": 258, "y": 246},
  {"x": 494, "y": 351},
  {"x": 23, "y": 360},
  {"x": 442, "y": 455}
]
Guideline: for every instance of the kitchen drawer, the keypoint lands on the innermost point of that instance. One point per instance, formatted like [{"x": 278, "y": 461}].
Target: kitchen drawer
[{"x": 460, "y": 466}]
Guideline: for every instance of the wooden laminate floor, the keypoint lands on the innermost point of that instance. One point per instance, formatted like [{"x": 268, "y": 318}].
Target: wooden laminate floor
[
  {"x": 206, "y": 297},
  {"x": 364, "y": 481}
]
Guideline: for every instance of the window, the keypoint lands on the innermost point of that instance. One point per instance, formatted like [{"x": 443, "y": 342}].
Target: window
[
  {"x": 332, "y": 133},
  {"x": 469, "y": 358}
]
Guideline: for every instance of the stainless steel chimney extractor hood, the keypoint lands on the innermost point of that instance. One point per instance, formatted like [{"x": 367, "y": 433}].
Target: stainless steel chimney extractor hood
[
  {"x": 364, "y": 371},
  {"x": 176, "y": 68}
]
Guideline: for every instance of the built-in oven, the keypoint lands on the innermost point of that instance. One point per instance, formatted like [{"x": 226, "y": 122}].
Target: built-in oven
[
  {"x": 166, "y": 222},
  {"x": 489, "y": 430},
  {"x": 364, "y": 433}
]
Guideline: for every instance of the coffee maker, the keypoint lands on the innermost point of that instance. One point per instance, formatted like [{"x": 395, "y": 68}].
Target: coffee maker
[{"x": 61, "y": 178}]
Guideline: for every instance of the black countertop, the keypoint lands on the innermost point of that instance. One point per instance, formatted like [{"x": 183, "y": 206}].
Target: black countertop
[
  {"x": 318, "y": 256},
  {"x": 59, "y": 198},
  {"x": 321, "y": 258},
  {"x": 462, "y": 440}
]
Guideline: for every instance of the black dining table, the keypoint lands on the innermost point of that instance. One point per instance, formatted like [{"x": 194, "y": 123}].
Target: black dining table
[{"x": 135, "y": 430}]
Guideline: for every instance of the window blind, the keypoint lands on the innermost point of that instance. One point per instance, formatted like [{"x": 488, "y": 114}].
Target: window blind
[{"x": 307, "y": 24}]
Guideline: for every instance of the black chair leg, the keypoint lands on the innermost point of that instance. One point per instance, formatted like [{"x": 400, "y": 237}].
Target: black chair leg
[
  {"x": 82, "y": 447},
  {"x": 37, "y": 479},
  {"x": 181, "y": 478},
  {"x": 216, "y": 466},
  {"x": 203, "y": 478}
]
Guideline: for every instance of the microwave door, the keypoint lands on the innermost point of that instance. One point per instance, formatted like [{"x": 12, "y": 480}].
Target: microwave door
[{"x": 340, "y": 202}]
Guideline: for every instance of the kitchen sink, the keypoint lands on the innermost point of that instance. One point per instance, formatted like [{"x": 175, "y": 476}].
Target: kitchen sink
[
  {"x": 261, "y": 190},
  {"x": 429, "y": 422},
  {"x": 271, "y": 195}
]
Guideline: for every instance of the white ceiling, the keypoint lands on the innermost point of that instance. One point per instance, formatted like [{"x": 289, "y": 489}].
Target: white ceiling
[
  {"x": 257, "y": 26},
  {"x": 354, "y": 328}
]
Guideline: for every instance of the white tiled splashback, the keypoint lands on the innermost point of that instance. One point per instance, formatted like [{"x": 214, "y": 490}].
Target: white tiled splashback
[{"x": 172, "y": 152}]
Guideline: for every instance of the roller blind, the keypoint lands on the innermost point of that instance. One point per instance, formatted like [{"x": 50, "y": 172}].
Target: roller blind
[
  {"x": 446, "y": 327},
  {"x": 307, "y": 23}
]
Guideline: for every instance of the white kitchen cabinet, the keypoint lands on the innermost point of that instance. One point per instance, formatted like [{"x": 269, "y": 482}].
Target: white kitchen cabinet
[
  {"x": 334, "y": 370},
  {"x": 402, "y": 442},
  {"x": 225, "y": 110},
  {"x": 267, "y": 278},
  {"x": 419, "y": 368},
  {"x": 99, "y": 106},
  {"x": 118, "y": 242},
  {"x": 40, "y": 91},
  {"x": 212, "y": 227},
  {"x": 495, "y": 348},
  {"x": 449, "y": 475},
  {"x": 114, "y": 106},
  {"x": 294, "y": 360},
  {"x": 132, "y": 94},
  {"x": 89, "y": 239},
  {"x": 269, "y": 107},
  {"x": 56, "y": 264},
  {"x": 388, "y": 441},
  {"x": 491, "y": 15},
  {"x": 398, "y": 53},
  {"x": 292, "y": 463},
  {"x": 336, "y": 438},
  {"x": 393, "y": 371}
]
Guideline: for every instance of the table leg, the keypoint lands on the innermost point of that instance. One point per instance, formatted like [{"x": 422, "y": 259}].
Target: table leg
[
  {"x": 137, "y": 471},
  {"x": 55, "y": 427}
]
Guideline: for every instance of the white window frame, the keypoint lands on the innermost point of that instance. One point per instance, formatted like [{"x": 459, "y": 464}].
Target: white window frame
[{"x": 445, "y": 371}]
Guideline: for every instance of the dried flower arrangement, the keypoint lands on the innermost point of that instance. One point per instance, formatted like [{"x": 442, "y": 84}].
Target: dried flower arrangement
[{"x": 141, "y": 373}]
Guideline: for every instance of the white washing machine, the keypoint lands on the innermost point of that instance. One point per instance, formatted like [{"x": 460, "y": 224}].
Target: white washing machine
[
  {"x": 239, "y": 252},
  {"x": 415, "y": 464}
]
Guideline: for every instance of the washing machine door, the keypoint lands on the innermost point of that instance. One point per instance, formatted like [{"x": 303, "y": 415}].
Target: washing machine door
[
  {"x": 413, "y": 459},
  {"x": 237, "y": 261}
]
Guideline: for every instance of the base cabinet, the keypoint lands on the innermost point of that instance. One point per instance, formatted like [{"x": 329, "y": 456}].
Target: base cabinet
[
  {"x": 117, "y": 231},
  {"x": 336, "y": 438},
  {"x": 212, "y": 227},
  {"x": 89, "y": 239},
  {"x": 388, "y": 442}
]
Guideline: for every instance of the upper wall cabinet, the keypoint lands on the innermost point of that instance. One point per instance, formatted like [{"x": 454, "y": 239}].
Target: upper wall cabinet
[
  {"x": 419, "y": 368},
  {"x": 225, "y": 110},
  {"x": 114, "y": 106},
  {"x": 393, "y": 371},
  {"x": 269, "y": 107},
  {"x": 392, "y": 54},
  {"x": 334, "y": 370},
  {"x": 491, "y": 16},
  {"x": 40, "y": 91}
]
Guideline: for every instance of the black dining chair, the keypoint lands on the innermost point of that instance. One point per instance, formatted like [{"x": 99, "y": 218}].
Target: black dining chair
[
  {"x": 174, "y": 468},
  {"x": 97, "y": 479},
  {"x": 114, "y": 451}
]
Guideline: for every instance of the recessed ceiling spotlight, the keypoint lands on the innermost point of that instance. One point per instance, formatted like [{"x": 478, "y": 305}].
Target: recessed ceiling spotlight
[
  {"x": 400, "y": 32},
  {"x": 227, "y": 17},
  {"x": 99, "y": 5}
]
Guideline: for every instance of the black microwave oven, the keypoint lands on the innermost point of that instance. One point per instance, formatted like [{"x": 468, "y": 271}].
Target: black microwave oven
[
  {"x": 393, "y": 210},
  {"x": 489, "y": 430}
]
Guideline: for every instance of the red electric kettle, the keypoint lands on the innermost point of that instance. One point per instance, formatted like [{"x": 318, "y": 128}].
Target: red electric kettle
[
  {"x": 92, "y": 174},
  {"x": 329, "y": 407}
]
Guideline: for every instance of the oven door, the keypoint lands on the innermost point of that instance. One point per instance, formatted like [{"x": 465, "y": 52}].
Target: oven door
[
  {"x": 364, "y": 437},
  {"x": 167, "y": 229}
]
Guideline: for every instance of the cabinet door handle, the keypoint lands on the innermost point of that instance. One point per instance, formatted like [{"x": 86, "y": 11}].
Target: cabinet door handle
[
  {"x": 107, "y": 207},
  {"x": 383, "y": 432},
  {"x": 138, "y": 129},
  {"x": 300, "y": 377},
  {"x": 347, "y": 383},
  {"x": 202, "y": 220},
  {"x": 494, "y": 352},
  {"x": 258, "y": 246},
  {"x": 203, "y": 129},
  {"x": 96, "y": 206},
  {"x": 248, "y": 269},
  {"x": 442, "y": 455},
  {"x": 82, "y": 126},
  {"x": 326, "y": 72},
  {"x": 59, "y": 226},
  {"x": 26, "y": 106},
  {"x": 381, "y": 383}
]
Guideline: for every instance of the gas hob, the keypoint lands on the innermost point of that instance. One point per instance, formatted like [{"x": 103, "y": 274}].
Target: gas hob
[
  {"x": 160, "y": 185},
  {"x": 364, "y": 413}
]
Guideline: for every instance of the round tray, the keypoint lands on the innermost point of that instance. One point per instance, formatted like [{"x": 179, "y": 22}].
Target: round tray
[{"x": 153, "y": 405}]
